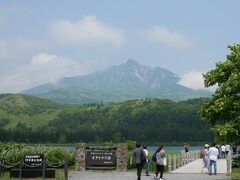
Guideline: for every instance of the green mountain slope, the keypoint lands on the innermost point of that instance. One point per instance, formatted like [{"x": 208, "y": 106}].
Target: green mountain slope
[
  {"x": 33, "y": 111},
  {"x": 142, "y": 120},
  {"x": 30, "y": 119}
]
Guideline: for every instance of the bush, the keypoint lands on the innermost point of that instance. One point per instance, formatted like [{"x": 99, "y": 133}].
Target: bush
[
  {"x": 236, "y": 162},
  {"x": 12, "y": 153}
]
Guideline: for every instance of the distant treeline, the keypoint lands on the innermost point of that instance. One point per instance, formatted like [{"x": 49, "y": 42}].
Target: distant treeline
[{"x": 149, "y": 120}]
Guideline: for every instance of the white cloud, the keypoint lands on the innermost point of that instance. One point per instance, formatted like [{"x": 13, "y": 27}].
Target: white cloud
[
  {"x": 43, "y": 68},
  {"x": 19, "y": 48},
  {"x": 194, "y": 80},
  {"x": 86, "y": 32},
  {"x": 163, "y": 36}
]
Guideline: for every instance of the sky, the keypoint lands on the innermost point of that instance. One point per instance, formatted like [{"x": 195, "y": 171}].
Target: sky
[{"x": 42, "y": 41}]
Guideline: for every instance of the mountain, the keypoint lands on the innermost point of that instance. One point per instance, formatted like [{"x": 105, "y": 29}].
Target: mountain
[{"x": 118, "y": 83}]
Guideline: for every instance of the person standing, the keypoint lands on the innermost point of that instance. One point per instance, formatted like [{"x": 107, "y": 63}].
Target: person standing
[
  {"x": 147, "y": 162},
  {"x": 223, "y": 149},
  {"x": 186, "y": 147},
  {"x": 234, "y": 149},
  {"x": 160, "y": 156},
  {"x": 227, "y": 149},
  {"x": 137, "y": 155},
  {"x": 213, "y": 156}
]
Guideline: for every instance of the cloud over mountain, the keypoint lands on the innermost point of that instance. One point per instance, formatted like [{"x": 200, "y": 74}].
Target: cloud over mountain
[
  {"x": 44, "y": 67},
  {"x": 163, "y": 36},
  {"x": 193, "y": 80}
]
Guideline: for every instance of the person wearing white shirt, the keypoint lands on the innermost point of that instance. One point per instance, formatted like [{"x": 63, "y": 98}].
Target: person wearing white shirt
[
  {"x": 223, "y": 149},
  {"x": 147, "y": 163},
  {"x": 213, "y": 156},
  {"x": 227, "y": 149}
]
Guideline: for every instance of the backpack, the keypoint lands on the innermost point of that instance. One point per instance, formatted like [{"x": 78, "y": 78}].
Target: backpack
[
  {"x": 154, "y": 157},
  {"x": 143, "y": 157}
]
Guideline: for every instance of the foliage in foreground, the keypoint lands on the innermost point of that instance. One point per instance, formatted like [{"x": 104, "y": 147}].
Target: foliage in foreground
[
  {"x": 12, "y": 153},
  {"x": 223, "y": 109}
]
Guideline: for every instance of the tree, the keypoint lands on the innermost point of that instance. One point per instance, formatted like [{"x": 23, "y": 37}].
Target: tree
[{"x": 223, "y": 109}]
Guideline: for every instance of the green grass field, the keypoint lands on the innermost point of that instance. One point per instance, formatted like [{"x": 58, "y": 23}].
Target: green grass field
[{"x": 235, "y": 174}]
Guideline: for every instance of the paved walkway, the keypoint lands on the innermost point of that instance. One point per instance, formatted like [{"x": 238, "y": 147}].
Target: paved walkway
[
  {"x": 196, "y": 167},
  {"x": 191, "y": 171},
  {"x": 94, "y": 175}
]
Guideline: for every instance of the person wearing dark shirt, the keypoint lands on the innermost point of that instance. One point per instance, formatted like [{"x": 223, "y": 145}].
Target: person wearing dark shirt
[
  {"x": 137, "y": 155},
  {"x": 186, "y": 146}
]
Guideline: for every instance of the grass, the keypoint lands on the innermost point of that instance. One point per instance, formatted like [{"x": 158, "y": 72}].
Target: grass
[
  {"x": 235, "y": 175},
  {"x": 34, "y": 121}
]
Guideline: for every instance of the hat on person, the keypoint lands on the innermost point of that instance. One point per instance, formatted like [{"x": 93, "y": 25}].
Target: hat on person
[{"x": 206, "y": 145}]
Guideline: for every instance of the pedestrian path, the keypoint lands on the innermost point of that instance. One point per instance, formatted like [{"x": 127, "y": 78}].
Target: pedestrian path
[
  {"x": 195, "y": 167},
  {"x": 114, "y": 175}
]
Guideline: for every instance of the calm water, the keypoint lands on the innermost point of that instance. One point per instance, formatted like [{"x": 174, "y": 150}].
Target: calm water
[
  {"x": 176, "y": 148},
  {"x": 153, "y": 148}
]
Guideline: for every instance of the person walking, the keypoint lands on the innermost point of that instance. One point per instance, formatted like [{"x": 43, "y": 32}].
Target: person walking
[
  {"x": 147, "y": 162},
  {"x": 138, "y": 154},
  {"x": 213, "y": 156},
  {"x": 160, "y": 162},
  {"x": 205, "y": 157},
  {"x": 186, "y": 154}
]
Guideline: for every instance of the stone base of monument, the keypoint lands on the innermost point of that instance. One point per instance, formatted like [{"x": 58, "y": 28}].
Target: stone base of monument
[{"x": 32, "y": 173}]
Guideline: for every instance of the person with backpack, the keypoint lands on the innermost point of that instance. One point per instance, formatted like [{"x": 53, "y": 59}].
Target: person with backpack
[
  {"x": 140, "y": 158},
  {"x": 160, "y": 160}
]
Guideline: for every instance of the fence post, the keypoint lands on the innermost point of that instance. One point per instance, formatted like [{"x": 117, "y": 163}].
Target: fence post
[
  {"x": 185, "y": 155},
  {"x": 44, "y": 168},
  {"x": 66, "y": 169},
  {"x": 178, "y": 160},
  {"x": 174, "y": 162},
  {"x": 20, "y": 170},
  {"x": 182, "y": 159},
  {"x": 188, "y": 156},
  {"x": 229, "y": 163},
  {"x": 169, "y": 164}
]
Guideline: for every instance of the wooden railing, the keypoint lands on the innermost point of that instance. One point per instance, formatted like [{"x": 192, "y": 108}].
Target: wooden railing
[{"x": 179, "y": 160}]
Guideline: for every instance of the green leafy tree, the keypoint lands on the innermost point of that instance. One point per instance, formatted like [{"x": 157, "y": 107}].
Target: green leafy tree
[{"x": 223, "y": 109}]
